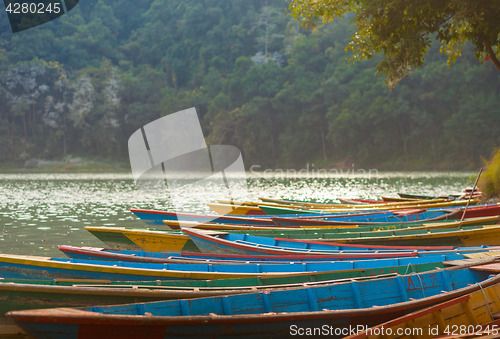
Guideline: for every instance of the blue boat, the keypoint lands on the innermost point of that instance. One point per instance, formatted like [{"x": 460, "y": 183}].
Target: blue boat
[
  {"x": 236, "y": 243},
  {"x": 336, "y": 308},
  {"x": 31, "y": 267},
  {"x": 155, "y": 218},
  {"x": 92, "y": 253}
]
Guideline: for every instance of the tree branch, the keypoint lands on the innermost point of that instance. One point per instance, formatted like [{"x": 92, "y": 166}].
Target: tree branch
[{"x": 492, "y": 55}]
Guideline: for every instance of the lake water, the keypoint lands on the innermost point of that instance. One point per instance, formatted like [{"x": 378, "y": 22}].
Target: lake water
[{"x": 39, "y": 211}]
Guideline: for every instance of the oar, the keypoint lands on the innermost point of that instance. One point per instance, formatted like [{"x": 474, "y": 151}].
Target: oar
[{"x": 471, "y": 193}]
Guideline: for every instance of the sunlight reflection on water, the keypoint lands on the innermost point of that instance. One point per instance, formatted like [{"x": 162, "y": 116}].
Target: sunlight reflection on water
[{"x": 42, "y": 210}]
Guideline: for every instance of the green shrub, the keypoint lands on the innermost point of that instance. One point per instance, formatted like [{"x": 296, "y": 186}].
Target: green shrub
[{"x": 490, "y": 179}]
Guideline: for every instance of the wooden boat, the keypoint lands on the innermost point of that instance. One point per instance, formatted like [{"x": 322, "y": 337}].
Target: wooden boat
[
  {"x": 231, "y": 209},
  {"x": 153, "y": 240},
  {"x": 19, "y": 294},
  {"x": 31, "y": 267},
  {"x": 223, "y": 242},
  {"x": 356, "y": 218},
  {"x": 471, "y": 212},
  {"x": 408, "y": 217},
  {"x": 31, "y": 294},
  {"x": 416, "y": 196},
  {"x": 268, "y": 314},
  {"x": 28, "y": 294},
  {"x": 155, "y": 218},
  {"x": 336, "y": 228},
  {"x": 113, "y": 237},
  {"x": 91, "y": 253},
  {"x": 128, "y": 255},
  {"x": 486, "y": 235},
  {"x": 175, "y": 240},
  {"x": 177, "y": 225},
  {"x": 359, "y": 201},
  {"x": 293, "y": 202},
  {"x": 474, "y": 314},
  {"x": 170, "y": 241},
  {"x": 270, "y": 210},
  {"x": 465, "y": 195},
  {"x": 160, "y": 241},
  {"x": 460, "y": 236},
  {"x": 392, "y": 217}
]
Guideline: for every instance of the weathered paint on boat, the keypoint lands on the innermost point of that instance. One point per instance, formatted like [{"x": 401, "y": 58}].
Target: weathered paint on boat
[
  {"x": 220, "y": 242},
  {"x": 125, "y": 255},
  {"x": 30, "y": 267},
  {"x": 366, "y": 202},
  {"x": 157, "y": 241},
  {"x": 471, "y": 212},
  {"x": 232, "y": 209},
  {"x": 152, "y": 217},
  {"x": 177, "y": 241},
  {"x": 493, "y": 268},
  {"x": 269, "y": 314},
  {"x": 374, "y": 219},
  {"x": 471, "y": 315},
  {"x": 486, "y": 235},
  {"x": 177, "y": 225},
  {"x": 271, "y": 210},
  {"x": 92, "y": 253},
  {"x": 17, "y": 294},
  {"x": 113, "y": 237},
  {"x": 338, "y": 228}
]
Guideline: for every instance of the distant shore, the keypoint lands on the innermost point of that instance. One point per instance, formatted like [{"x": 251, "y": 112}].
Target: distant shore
[
  {"x": 66, "y": 164},
  {"x": 76, "y": 163}
]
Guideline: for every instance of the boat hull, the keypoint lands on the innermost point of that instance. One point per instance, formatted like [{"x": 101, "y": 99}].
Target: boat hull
[
  {"x": 155, "y": 218},
  {"x": 273, "y": 314}
]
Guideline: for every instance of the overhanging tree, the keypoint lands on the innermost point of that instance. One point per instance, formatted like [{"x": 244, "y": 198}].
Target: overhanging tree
[{"x": 403, "y": 30}]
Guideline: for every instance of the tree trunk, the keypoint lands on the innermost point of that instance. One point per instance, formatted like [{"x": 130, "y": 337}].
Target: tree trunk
[
  {"x": 64, "y": 123},
  {"x": 492, "y": 55},
  {"x": 25, "y": 127},
  {"x": 322, "y": 141}
]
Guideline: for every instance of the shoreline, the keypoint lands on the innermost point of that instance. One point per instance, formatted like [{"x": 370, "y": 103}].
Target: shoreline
[{"x": 85, "y": 165}]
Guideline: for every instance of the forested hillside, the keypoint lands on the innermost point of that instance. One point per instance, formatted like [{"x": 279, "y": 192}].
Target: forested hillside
[{"x": 286, "y": 97}]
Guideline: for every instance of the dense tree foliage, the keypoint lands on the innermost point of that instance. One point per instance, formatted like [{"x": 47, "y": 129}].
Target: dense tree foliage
[
  {"x": 284, "y": 95},
  {"x": 403, "y": 30}
]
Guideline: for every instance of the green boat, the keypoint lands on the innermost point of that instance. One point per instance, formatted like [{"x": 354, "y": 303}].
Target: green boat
[
  {"x": 116, "y": 238},
  {"x": 17, "y": 294}
]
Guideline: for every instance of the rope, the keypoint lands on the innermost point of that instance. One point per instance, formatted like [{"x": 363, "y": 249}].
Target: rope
[
  {"x": 411, "y": 265},
  {"x": 486, "y": 300},
  {"x": 421, "y": 283}
]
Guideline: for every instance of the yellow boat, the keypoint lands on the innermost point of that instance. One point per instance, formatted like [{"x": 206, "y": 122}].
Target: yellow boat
[
  {"x": 148, "y": 240},
  {"x": 176, "y": 241},
  {"x": 284, "y": 203},
  {"x": 175, "y": 224},
  {"x": 469, "y": 316},
  {"x": 35, "y": 267},
  {"x": 158, "y": 241},
  {"x": 285, "y": 210},
  {"x": 230, "y": 209}
]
